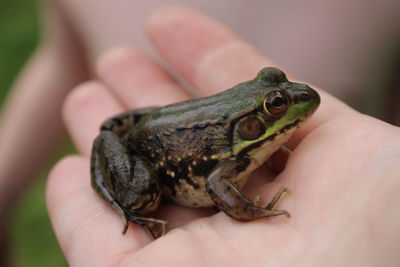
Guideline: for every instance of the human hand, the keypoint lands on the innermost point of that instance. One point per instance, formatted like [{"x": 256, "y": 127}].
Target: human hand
[{"x": 343, "y": 174}]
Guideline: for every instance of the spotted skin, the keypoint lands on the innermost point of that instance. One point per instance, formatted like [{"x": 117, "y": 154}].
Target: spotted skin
[{"x": 198, "y": 153}]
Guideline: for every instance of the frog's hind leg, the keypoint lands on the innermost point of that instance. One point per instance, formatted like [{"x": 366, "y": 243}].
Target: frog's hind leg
[
  {"x": 122, "y": 178},
  {"x": 122, "y": 122},
  {"x": 126, "y": 182},
  {"x": 101, "y": 176},
  {"x": 140, "y": 195}
]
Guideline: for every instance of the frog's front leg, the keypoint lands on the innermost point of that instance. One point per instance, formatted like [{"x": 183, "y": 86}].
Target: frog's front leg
[{"x": 230, "y": 200}]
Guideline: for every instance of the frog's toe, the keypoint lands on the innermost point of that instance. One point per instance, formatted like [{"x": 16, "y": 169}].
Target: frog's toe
[
  {"x": 125, "y": 223},
  {"x": 276, "y": 197},
  {"x": 257, "y": 200},
  {"x": 157, "y": 228},
  {"x": 268, "y": 213}
]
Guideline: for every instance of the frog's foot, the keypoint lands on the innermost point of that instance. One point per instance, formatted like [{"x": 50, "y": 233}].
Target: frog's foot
[
  {"x": 276, "y": 198},
  {"x": 269, "y": 206},
  {"x": 124, "y": 222},
  {"x": 156, "y": 227}
]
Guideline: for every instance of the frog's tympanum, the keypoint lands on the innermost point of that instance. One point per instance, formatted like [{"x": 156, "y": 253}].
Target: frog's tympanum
[{"x": 198, "y": 153}]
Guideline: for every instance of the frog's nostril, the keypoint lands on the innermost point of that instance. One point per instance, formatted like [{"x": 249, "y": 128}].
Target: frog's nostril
[{"x": 305, "y": 97}]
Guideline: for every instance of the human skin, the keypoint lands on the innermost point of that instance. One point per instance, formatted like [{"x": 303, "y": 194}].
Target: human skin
[{"x": 343, "y": 174}]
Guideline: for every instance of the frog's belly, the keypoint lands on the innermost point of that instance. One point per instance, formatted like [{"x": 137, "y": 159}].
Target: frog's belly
[{"x": 188, "y": 195}]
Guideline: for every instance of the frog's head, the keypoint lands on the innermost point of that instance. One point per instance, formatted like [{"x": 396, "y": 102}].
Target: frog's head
[
  {"x": 280, "y": 107},
  {"x": 285, "y": 102}
]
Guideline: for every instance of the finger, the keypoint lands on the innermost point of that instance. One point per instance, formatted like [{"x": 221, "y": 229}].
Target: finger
[
  {"x": 85, "y": 108},
  {"x": 89, "y": 232},
  {"x": 136, "y": 80},
  {"x": 210, "y": 56},
  {"x": 213, "y": 58}
]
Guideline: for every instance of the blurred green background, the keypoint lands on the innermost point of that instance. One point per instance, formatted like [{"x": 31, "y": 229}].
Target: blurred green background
[{"x": 32, "y": 239}]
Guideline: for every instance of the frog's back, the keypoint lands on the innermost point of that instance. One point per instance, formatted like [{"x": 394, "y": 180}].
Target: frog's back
[
  {"x": 193, "y": 130},
  {"x": 208, "y": 110}
]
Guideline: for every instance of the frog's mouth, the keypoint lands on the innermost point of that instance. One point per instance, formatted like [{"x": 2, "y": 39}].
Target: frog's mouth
[{"x": 296, "y": 123}]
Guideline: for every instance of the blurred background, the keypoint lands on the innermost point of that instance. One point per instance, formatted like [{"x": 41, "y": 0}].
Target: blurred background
[{"x": 32, "y": 239}]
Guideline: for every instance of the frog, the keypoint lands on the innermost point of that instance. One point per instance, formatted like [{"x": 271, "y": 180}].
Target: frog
[{"x": 200, "y": 152}]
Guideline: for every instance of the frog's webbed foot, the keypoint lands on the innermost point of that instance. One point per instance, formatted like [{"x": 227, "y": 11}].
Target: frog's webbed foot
[
  {"x": 275, "y": 199},
  {"x": 231, "y": 201},
  {"x": 270, "y": 205},
  {"x": 156, "y": 227}
]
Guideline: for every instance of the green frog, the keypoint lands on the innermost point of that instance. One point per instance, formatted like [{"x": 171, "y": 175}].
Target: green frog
[{"x": 198, "y": 153}]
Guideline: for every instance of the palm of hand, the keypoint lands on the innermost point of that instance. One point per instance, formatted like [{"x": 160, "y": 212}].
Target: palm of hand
[{"x": 342, "y": 174}]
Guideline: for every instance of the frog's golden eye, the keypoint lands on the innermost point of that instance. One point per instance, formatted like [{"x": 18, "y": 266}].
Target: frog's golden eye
[
  {"x": 250, "y": 128},
  {"x": 276, "y": 102}
]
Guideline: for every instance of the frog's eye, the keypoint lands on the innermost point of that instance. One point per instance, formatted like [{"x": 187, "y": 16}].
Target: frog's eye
[
  {"x": 276, "y": 102},
  {"x": 250, "y": 128}
]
